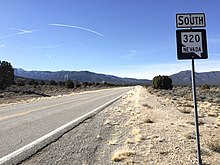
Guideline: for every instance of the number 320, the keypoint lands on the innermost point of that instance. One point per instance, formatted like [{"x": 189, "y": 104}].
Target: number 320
[{"x": 191, "y": 38}]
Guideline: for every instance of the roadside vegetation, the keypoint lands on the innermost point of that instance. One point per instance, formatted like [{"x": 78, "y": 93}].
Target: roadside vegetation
[
  {"x": 24, "y": 89},
  {"x": 208, "y": 103},
  {"x": 15, "y": 89},
  {"x": 162, "y": 82},
  {"x": 205, "y": 93},
  {"x": 6, "y": 75}
]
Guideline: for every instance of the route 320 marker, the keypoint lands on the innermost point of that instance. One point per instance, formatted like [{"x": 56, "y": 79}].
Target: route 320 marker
[{"x": 191, "y": 44}]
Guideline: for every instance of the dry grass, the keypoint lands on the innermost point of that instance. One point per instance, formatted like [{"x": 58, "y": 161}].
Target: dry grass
[
  {"x": 112, "y": 142},
  {"x": 147, "y": 106},
  {"x": 129, "y": 141},
  {"x": 208, "y": 100},
  {"x": 171, "y": 137},
  {"x": 135, "y": 131},
  {"x": 190, "y": 135},
  {"x": 184, "y": 110},
  {"x": 210, "y": 95},
  {"x": 138, "y": 138},
  {"x": 212, "y": 114},
  {"x": 148, "y": 121},
  {"x": 122, "y": 154},
  {"x": 136, "y": 134},
  {"x": 218, "y": 121},
  {"x": 213, "y": 144},
  {"x": 193, "y": 122}
]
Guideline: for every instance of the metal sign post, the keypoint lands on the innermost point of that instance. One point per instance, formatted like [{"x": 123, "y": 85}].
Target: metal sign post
[
  {"x": 196, "y": 113},
  {"x": 191, "y": 44}
]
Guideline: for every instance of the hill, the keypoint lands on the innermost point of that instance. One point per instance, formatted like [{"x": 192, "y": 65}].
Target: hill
[{"x": 184, "y": 78}]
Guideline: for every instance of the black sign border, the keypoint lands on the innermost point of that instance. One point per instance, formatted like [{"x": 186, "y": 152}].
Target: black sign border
[
  {"x": 184, "y": 56},
  {"x": 190, "y": 26}
]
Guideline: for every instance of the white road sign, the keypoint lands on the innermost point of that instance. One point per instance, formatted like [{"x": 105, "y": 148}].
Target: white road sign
[
  {"x": 192, "y": 42},
  {"x": 190, "y": 20}
]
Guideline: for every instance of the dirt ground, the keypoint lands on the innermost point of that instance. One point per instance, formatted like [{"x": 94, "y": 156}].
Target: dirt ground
[
  {"x": 141, "y": 129},
  {"x": 159, "y": 131}
]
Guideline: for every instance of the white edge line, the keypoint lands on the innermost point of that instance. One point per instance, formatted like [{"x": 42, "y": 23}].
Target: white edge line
[{"x": 28, "y": 150}]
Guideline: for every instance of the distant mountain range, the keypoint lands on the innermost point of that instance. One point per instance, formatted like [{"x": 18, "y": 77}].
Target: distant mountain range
[
  {"x": 184, "y": 78},
  {"x": 80, "y": 76},
  {"x": 181, "y": 78}
]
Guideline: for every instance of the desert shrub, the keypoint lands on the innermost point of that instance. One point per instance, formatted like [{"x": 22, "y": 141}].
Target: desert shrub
[
  {"x": 162, "y": 82},
  {"x": 97, "y": 84},
  {"x": 69, "y": 84},
  {"x": 42, "y": 82},
  {"x": 61, "y": 83},
  {"x": 190, "y": 135},
  {"x": 213, "y": 144},
  {"x": 85, "y": 84},
  {"x": 90, "y": 84},
  {"x": 147, "y": 106},
  {"x": 105, "y": 84},
  {"x": 78, "y": 85},
  {"x": 52, "y": 82},
  {"x": 20, "y": 82},
  {"x": 33, "y": 82},
  {"x": 6, "y": 74},
  {"x": 205, "y": 86}
]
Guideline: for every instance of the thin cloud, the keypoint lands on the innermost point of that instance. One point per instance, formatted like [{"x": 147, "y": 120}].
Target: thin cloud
[
  {"x": 48, "y": 47},
  {"x": 21, "y": 31},
  {"x": 131, "y": 53},
  {"x": 49, "y": 56},
  {"x": 128, "y": 56},
  {"x": 38, "y": 47},
  {"x": 82, "y": 45},
  {"x": 78, "y": 27},
  {"x": 1, "y": 46}
]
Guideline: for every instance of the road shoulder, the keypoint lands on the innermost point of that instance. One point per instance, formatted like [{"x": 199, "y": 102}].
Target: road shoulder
[{"x": 140, "y": 128}]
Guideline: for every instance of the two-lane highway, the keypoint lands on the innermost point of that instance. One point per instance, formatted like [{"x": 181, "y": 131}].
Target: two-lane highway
[{"x": 23, "y": 123}]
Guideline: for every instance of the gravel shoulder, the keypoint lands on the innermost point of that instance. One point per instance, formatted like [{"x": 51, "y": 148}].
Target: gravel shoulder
[{"x": 140, "y": 128}]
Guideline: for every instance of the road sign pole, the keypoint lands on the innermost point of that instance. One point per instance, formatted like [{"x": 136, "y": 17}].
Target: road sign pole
[
  {"x": 196, "y": 114},
  {"x": 191, "y": 44}
]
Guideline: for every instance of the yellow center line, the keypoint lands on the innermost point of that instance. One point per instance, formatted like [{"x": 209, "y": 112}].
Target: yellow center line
[{"x": 38, "y": 109}]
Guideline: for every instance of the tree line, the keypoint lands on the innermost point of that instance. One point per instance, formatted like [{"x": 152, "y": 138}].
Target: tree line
[
  {"x": 68, "y": 83},
  {"x": 7, "y": 79}
]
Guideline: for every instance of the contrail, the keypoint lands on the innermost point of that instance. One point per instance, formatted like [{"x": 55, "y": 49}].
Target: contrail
[
  {"x": 131, "y": 53},
  {"x": 22, "y": 31},
  {"x": 41, "y": 47},
  {"x": 47, "y": 47},
  {"x": 82, "y": 45},
  {"x": 77, "y": 27}
]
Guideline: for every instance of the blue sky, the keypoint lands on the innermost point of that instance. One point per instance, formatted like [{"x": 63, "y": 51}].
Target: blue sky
[{"x": 126, "y": 38}]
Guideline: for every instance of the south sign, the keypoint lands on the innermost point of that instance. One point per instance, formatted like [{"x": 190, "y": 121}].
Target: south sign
[{"x": 190, "y": 20}]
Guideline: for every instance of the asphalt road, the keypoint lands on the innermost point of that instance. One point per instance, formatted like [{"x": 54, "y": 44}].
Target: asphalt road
[{"x": 23, "y": 123}]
